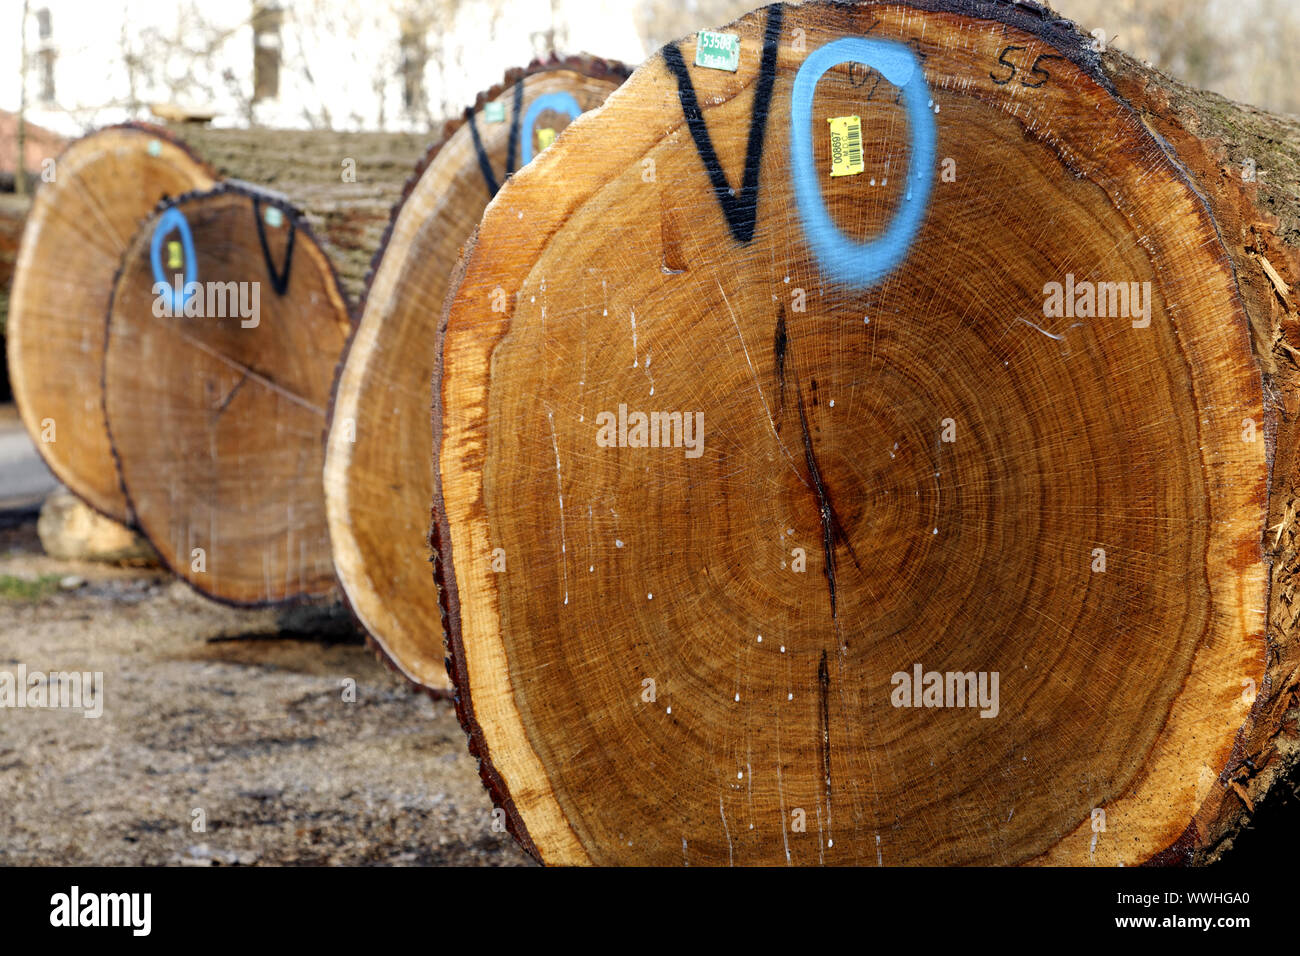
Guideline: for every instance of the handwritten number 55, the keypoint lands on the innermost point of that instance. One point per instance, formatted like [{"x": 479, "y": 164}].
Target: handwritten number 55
[{"x": 1036, "y": 70}]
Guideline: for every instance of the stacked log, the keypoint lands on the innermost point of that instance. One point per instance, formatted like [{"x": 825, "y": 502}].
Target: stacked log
[
  {"x": 878, "y": 449},
  {"x": 346, "y": 184},
  {"x": 378, "y": 471},
  {"x": 13, "y": 214},
  {"x": 225, "y": 327},
  {"x": 78, "y": 227},
  {"x": 105, "y": 185}
]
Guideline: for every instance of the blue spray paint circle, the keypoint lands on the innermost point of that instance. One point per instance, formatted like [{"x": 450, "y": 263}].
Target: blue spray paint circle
[
  {"x": 173, "y": 220},
  {"x": 559, "y": 102},
  {"x": 853, "y": 263}
]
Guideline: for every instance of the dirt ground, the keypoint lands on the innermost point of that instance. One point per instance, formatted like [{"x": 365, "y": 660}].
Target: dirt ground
[{"x": 238, "y": 714}]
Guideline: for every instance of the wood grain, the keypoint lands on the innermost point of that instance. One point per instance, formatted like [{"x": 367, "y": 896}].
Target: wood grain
[
  {"x": 217, "y": 420},
  {"x": 378, "y": 467},
  {"x": 910, "y": 458},
  {"x": 105, "y": 185}
]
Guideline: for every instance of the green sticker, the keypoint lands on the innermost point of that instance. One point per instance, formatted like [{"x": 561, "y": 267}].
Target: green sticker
[
  {"x": 494, "y": 112},
  {"x": 274, "y": 218},
  {"x": 718, "y": 51},
  {"x": 155, "y": 147}
]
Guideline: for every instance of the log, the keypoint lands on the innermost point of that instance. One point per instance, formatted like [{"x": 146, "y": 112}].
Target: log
[
  {"x": 973, "y": 540},
  {"x": 105, "y": 184},
  {"x": 71, "y": 530},
  {"x": 1246, "y": 164},
  {"x": 345, "y": 183},
  {"x": 378, "y": 470},
  {"x": 13, "y": 214},
  {"x": 215, "y": 392}
]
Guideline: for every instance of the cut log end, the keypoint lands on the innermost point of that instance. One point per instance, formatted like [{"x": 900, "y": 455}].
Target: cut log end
[
  {"x": 226, "y": 324},
  {"x": 104, "y": 186},
  {"x": 809, "y": 506},
  {"x": 378, "y": 467}
]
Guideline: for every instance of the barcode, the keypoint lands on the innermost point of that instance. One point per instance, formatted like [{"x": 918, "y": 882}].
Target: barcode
[
  {"x": 855, "y": 145},
  {"x": 846, "y": 146}
]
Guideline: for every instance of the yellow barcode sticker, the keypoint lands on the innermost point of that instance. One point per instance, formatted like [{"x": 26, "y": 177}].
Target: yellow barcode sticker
[
  {"x": 545, "y": 137},
  {"x": 846, "y": 146}
]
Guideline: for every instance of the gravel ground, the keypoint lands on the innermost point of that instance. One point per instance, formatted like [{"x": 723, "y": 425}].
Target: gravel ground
[
  {"x": 241, "y": 714},
  {"x": 238, "y": 714}
]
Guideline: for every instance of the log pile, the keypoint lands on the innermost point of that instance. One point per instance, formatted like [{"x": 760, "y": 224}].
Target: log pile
[
  {"x": 880, "y": 452},
  {"x": 104, "y": 186},
  {"x": 869, "y": 437},
  {"x": 346, "y": 184},
  {"x": 13, "y": 214}
]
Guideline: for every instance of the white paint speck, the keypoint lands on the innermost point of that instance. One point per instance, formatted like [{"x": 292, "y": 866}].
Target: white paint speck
[
  {"x": 635, "y": 361},
  {"x": 618, "y": 543}
]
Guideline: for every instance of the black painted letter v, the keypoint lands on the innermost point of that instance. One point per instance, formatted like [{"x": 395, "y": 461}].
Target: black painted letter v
[
  {"x": 741, "y": 211},
  {"x": 279, "y": 279}
]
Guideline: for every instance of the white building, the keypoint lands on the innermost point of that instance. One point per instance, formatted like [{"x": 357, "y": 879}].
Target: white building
[{"x": 345, "y": 64}]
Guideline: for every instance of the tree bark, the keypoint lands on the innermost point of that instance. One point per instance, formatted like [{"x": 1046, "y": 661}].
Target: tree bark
[
  {"x": 378, "y": 471},
  {"x": 981, "y": 548},
  {"x": 1246, "y": 164},
  {"x": 346, "y": 184}
]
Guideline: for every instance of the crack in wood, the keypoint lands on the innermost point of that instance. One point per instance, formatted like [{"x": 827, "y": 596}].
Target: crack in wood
[
  {"x": 780, "y": 343},
  {"x": 832, "y": 531}
]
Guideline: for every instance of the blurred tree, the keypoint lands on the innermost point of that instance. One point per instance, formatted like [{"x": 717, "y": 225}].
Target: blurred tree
[
  {"x": 662, "y": 21},
  {"x": 1244, "y": 49}
]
